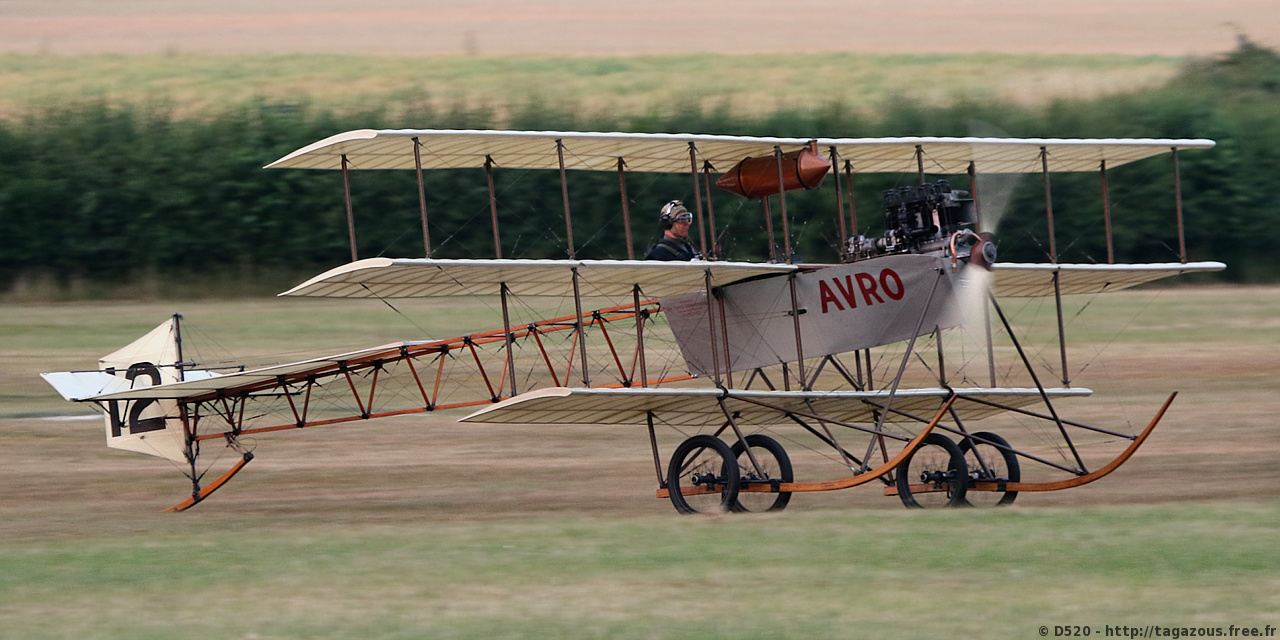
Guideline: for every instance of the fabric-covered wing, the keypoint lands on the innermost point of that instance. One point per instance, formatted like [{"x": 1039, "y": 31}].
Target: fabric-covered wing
[
  {"x": 700, "y": 407},
  {"x": 669, "y": 153},
  {"x": 423, "y": 277},
  {"x": 1036, "y": 280}
]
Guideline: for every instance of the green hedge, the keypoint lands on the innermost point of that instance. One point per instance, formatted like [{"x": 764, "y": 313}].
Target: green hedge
[{"x": 116, "y": 193}]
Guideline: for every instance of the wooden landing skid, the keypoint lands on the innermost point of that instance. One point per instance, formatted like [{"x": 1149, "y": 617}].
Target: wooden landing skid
[
  {"x": 1060, "y": 484},
  {"x": 833, "y": 485}
]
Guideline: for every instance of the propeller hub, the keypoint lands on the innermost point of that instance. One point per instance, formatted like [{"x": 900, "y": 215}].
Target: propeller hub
[{"x": 983, "y": 254}]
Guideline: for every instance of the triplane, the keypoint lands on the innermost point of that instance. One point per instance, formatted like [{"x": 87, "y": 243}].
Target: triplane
[{"x": 874, "y": 369}]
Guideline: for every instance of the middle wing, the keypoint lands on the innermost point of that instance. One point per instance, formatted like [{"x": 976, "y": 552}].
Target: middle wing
[
  {"x": 701, "y": 407},
  {"x": 1036, "y": 280}
]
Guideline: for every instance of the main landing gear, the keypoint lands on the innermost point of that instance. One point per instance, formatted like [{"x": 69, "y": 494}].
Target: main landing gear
[
  {"x": 706, "y": 474},
  {"x": 941, "y": 473}
]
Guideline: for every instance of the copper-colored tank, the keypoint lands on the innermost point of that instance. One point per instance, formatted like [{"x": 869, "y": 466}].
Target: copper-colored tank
[{"x": 758, "y": 177}]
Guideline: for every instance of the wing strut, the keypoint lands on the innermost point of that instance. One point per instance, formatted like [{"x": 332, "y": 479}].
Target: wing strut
[
  {"x": 755, "y": 463},
  {"x": 653, "y": 442},
  {"x": 830, "y": 439},
  {"x": 906, "y": 357},
  {"x": 963, "y": 434},
  {"x": 1031, "y": 370}
]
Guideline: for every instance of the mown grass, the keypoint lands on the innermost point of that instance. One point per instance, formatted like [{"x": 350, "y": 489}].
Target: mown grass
[
  {"x": 803, "y": 575},
  {"x": 747, "y": 85}
]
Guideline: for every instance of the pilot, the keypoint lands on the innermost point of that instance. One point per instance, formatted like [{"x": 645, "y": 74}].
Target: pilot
[{"x": 675, "y": 220}]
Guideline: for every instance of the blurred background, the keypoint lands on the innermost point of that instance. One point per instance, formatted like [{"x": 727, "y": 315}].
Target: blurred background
[{"x": 135, "y": 130}]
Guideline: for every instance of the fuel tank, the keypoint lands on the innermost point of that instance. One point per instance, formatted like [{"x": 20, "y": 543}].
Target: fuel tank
[{"x": 758, "y": 177}]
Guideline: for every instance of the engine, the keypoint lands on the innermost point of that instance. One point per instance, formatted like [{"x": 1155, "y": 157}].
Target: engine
[{"x": 925, "y": 218}]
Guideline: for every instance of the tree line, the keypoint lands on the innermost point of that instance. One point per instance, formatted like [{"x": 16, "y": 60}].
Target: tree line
[{"x": 114, "y": 193}]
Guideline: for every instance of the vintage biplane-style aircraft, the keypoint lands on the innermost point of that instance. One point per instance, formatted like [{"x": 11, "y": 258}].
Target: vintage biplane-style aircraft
[{"x": 736, "y": 357}]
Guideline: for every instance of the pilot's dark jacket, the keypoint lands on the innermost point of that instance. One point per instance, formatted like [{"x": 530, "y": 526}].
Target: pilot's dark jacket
[{"x": 669, "y": 249}]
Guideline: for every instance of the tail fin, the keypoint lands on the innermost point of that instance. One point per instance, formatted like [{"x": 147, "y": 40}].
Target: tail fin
[{"x": 149, "y": 426}]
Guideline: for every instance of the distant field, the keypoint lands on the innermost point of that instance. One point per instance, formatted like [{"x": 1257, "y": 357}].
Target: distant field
[
  {"x": 745, "y": 84},
  {"x": 597, "y": 28},
  {"x": 422, "y": 527}
]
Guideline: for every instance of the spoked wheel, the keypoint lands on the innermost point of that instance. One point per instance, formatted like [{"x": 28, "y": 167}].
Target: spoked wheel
[
  {"x": 990, "y": 461},
  {"x": 775, "y": 467},
  {"x": 703, "y": 476},
  {"x": 934, "y": 475}
]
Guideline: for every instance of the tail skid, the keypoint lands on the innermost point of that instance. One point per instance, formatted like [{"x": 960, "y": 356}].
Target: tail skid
[{"x": 198, "y": 494}]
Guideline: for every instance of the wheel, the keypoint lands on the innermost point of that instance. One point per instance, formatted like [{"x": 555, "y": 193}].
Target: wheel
[
  {"x": 703, "y": 476},
  {"x": 775, "y": 465},
  {"x": 990, "y": 461},
  {"x": 938, "y": 472}
]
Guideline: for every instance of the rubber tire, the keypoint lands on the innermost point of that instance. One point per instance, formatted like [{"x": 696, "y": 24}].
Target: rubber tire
[
  {"x": 785, "y": 474},
  {"x": 956, "y": 466},
  {"x": 1010, "y": 464},
  {"x": 728, "y": 468}
]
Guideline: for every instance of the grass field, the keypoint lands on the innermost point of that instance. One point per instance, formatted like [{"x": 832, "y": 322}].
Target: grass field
[
  {"x": 422, "y": 527},
  {"x": 805, "y": 575},
  {"x": 746, "y": 84}
]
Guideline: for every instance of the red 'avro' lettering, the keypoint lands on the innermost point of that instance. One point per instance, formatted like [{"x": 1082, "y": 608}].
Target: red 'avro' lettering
[
  {"x": 887, "y": 276},
  {"x": 890, "y": 283},
  {"x": 827, "y": 296},
  {"x": 847, "y": 291},
  {"x": 867, "y": 284}
]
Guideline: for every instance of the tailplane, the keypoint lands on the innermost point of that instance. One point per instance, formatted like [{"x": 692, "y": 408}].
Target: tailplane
[{"x": 150, "y": 426}]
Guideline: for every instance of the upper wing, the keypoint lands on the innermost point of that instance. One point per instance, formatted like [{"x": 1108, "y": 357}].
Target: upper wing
[
  {"x": 701, "y": 407},
  {"x": 1035, "y": 280},
  {"x": 670, "y": 153},
  {"x": 421, "y": 277}
]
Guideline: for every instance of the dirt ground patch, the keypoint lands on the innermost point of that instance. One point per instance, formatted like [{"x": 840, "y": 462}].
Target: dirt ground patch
[
  {"x": 1217, "y": 443},
  {"x": 590, "y": 27}
]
